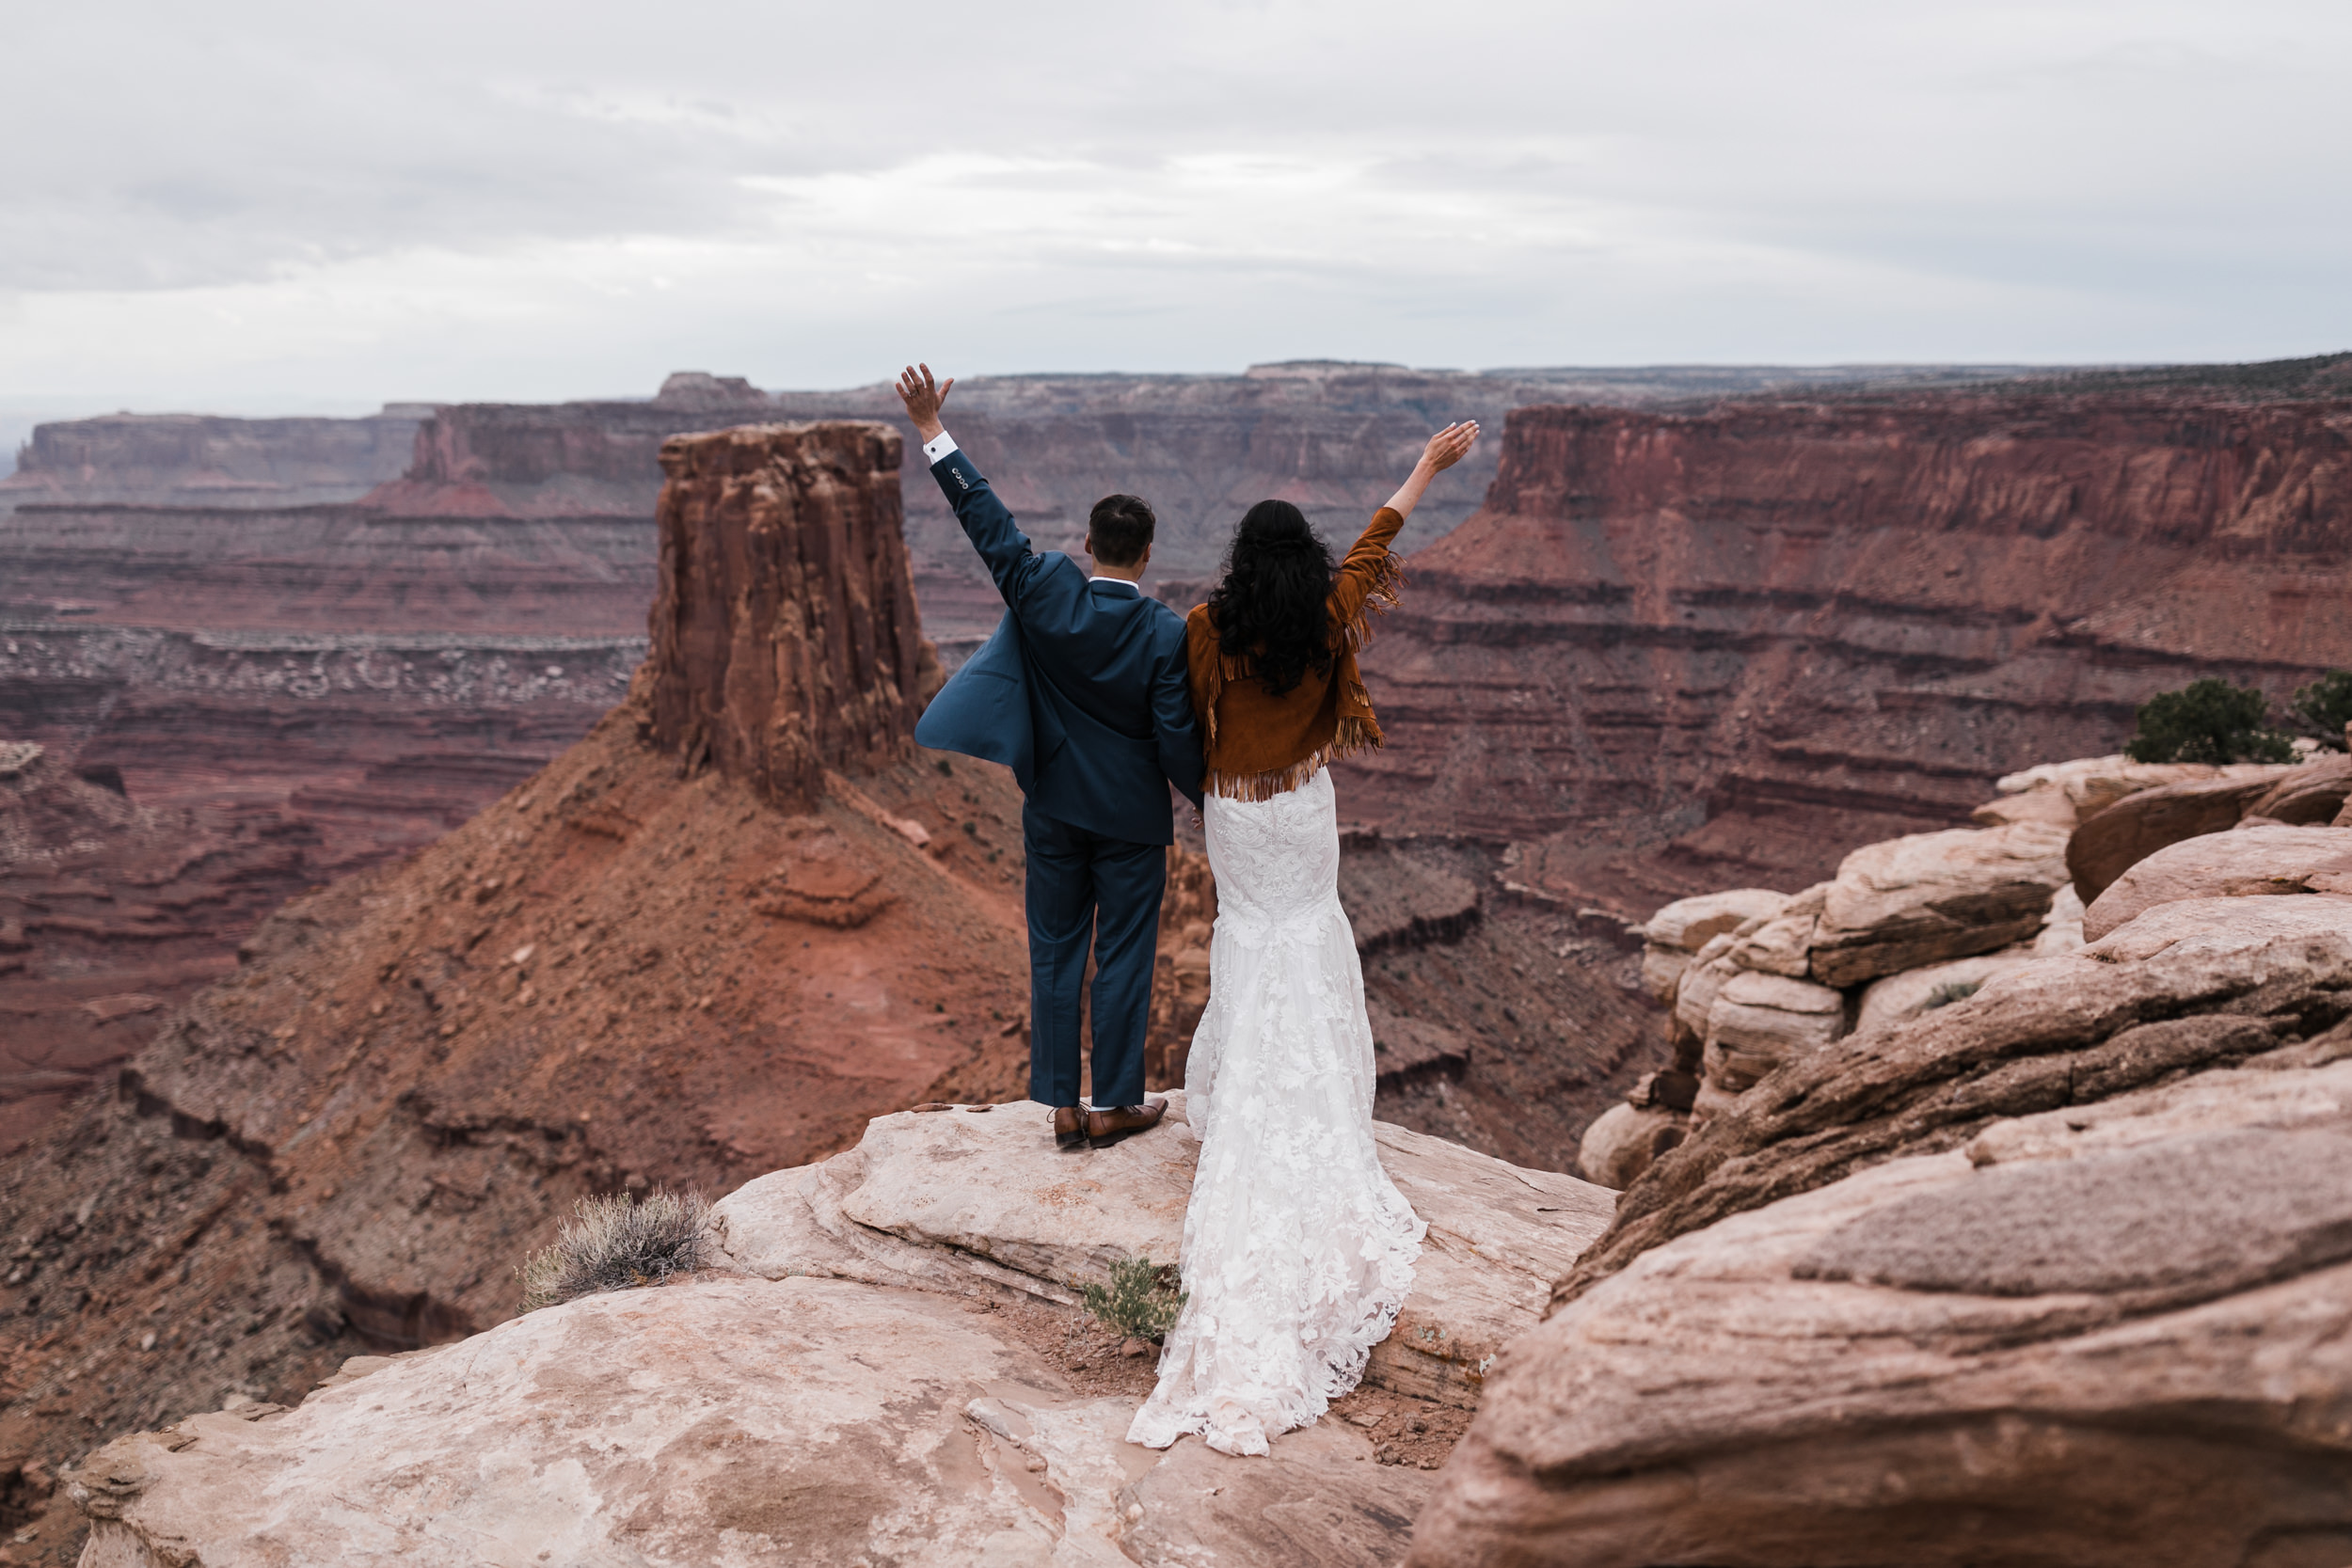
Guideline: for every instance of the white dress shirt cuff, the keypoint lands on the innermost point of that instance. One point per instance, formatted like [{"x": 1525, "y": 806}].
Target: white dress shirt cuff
[{"x": 938, "y": 446}]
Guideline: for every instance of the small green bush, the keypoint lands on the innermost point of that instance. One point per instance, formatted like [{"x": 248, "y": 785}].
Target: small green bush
[
  {"x": 2324, "y": 707},
  {"x": 2209, "y": 721},
  {"x": 1143, "y": 1301},
  {"x": 613, "y": 1244},
  {"x": 1953, "y": 990}
]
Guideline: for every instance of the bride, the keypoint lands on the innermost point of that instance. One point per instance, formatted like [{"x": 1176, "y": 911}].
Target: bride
[{"x": 1298, "y": 1250}]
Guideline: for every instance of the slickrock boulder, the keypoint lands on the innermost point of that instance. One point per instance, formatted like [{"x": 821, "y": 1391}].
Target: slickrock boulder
[
  {"x": 969, "y": 1200},
  {"x": 2127, "y": 832},
  {"x": 2069, "y": 793},
  {"x": 1682, "y": 928},
  {"x": 2314, "y": 793},
  {"x": 2186, "y": 986},
  {"x": 1759, "y": 1021},
  {"x": 2102, "y": 1337},
  {"x": 1701, "y": 981},
  {"x": 1913, "y": 992},
  {"x": 1624, "y": 1140},
  {"x": 2251, "y": 861},
  {"x": 2062, "y": 928},
  {"x": 726, "y": 1422},
  {"x": 1782, "y": 942},
  {"x": 1933, "y": 896},
  {"x": 784, "y": 635}
]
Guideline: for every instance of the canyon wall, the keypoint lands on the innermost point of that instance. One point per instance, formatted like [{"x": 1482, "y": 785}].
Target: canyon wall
[
  {"x": 1672, "y": 647},
  {"x": 210, "y": 460},
  {"x": 326, "y": 568}
]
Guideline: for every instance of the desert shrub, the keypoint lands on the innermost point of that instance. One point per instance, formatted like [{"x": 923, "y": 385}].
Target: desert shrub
[
  {"x": 612, "y": 1243},
  {"x": 2324, "y": 707},
  {"x": 2208, "y": 720},
  {"x": 1141, "y": 1303},
  {"x": 1953, "y": 990}
]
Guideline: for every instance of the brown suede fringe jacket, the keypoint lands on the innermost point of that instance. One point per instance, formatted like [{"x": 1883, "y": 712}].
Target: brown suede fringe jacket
[{"x": 1261, "y": 746}]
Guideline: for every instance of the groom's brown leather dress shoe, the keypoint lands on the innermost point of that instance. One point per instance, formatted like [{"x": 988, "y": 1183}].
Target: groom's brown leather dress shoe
[
  {"x": 1106, "y": 1125},
  {"x": 1070, "y": 1126}
]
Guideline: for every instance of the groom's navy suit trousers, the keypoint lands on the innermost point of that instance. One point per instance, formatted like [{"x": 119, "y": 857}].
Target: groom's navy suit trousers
[{"x": 1082, "y": 692}]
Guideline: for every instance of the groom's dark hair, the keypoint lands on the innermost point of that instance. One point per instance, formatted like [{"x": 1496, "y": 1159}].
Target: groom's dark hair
[{"x": 1122, "y": 530}]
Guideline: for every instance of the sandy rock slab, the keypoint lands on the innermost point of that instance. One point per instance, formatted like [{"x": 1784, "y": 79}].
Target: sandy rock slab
[
  {"x": 2245, "y": 862},
  {"x": 1931, "y": 897},
  {"x": 726, "y": 1423},
  {"x": 968, "y": 1201},
  {"x": 2105, "y": 1336}
]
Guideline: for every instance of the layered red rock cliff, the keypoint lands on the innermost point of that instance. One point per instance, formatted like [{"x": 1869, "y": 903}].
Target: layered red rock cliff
[
  {"x": 1672, "y": 648},
  {"x": 208, "y": 460}
]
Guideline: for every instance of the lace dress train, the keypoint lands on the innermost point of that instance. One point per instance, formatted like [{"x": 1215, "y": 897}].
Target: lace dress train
[{"x": 1298, "y": 1250}]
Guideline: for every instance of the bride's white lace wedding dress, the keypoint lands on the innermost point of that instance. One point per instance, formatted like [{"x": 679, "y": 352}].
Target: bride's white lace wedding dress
[{"x": 1298, "y": 1249}]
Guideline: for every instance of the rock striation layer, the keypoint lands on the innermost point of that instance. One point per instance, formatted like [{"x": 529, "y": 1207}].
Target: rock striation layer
[{"x": 111, "y": 915}]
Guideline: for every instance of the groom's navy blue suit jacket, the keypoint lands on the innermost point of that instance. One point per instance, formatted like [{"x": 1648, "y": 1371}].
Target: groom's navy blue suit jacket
[{"x": 1082, "y": 690}]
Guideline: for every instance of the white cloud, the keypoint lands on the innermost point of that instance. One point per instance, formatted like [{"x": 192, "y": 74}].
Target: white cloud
[{"x": 256, "y": 199}]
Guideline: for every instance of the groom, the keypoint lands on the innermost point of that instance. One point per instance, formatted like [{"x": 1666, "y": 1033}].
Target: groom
[{"x": 1082, "y": 692}]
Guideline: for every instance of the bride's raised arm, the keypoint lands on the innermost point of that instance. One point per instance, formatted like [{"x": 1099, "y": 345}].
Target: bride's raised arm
[
  {"x": 1370, "y": 572},
  {"x": 1445, "y": 449}
]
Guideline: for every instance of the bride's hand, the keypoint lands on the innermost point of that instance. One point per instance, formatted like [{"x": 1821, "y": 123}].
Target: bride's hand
[{"x": 1450, "y": 446}]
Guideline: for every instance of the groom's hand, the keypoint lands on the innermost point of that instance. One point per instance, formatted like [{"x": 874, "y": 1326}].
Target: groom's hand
[{"x": 923, "y": 399}]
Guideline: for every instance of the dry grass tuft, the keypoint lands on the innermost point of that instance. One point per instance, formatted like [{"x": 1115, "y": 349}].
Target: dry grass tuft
[{"x": 613, "y": 1243}]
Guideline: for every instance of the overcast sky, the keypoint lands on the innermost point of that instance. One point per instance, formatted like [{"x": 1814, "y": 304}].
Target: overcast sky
[{"x": 245, "y": 205}]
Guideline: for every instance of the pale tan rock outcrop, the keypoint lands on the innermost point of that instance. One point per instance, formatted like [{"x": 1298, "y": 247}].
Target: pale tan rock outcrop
[
  {"x": 1622, "y": 1140},
  {"x": 1899, "y": 997},
  {"x": 2104, "y": 1337},
  {"x": 736, "y": 1421},
  {"x": 1933, "y": 896},
  {"x": 965, "y": 1200},
  {"x": 2062, "y": 927},
  {"x": 2186, "y": 986},
  {"x": 1671, "y": 936},
  {"x": 2249, "y": 861},
  {"x": 2073, "y": 791},
  {"x": 1782, "y": 942},
  {"x": 2314, "y": 794},
  {"x": 1696, "y": 988},
  {"x": 2127, "y": 832},
  {"x": 1759, "y": 1021}
]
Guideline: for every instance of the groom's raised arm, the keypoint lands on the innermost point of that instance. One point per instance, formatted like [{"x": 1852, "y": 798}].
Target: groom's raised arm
[{"x": 984, "y": 519}]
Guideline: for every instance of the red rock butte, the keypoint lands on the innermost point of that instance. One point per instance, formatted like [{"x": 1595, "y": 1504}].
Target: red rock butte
[{"x": 785, "y": 641}]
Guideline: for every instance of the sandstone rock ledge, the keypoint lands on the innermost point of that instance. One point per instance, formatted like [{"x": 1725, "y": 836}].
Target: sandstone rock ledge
[
  {"x": 2057, "y": 1276},
  {"x": 848, "y": 1396},
  {"x": 966, "y": 1200}
]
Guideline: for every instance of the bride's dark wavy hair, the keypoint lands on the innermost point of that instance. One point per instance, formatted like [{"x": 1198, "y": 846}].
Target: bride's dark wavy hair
[{"x": 1270, "y": 608}]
